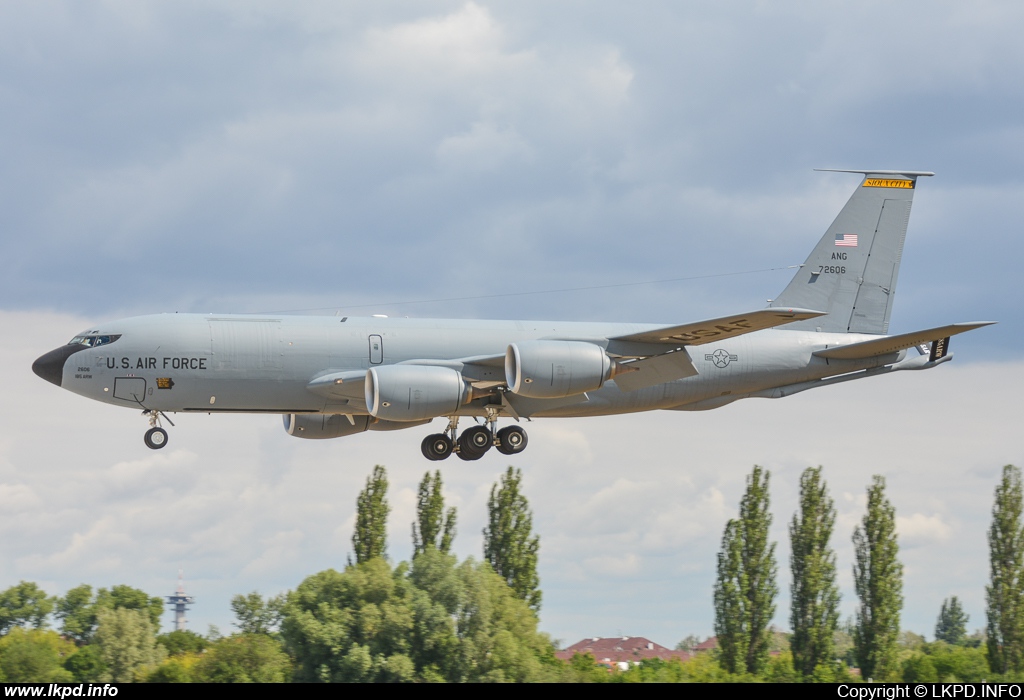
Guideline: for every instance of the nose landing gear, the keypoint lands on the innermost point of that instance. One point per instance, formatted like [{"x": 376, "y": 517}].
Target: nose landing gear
[
  {"x": 474, "y": 442},
  {"x": 156, "y": 437}
]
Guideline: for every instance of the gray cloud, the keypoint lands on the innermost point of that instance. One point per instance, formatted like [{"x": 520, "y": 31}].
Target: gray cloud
[{"x": 179, "y": 156}]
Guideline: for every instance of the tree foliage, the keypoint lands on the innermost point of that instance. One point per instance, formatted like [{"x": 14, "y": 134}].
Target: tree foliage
[
  {"x": 745, "y": 587},
  {"x": 127, "y": 644},
  {"x": 951, "y": 626},
  {"x": 1005, "y": 593},
  {"x": 878, "y": 579},
  {"x": 24, "y": 605},
  {"x": 78, "y": 608},
  {"x": 434, "y": 621},
  {"x": 243, "y": 658},
  {"x": 86, "y": 664},
  {"x": 180, "y": 642},
  {"x": 34, "y": 656},
  {"x": 370, "y": 537},
  {"x": 510, "y": 546},
  {"x": 254, "y": 615},
  {"x": 433, "y": 527},
  {"x": 815, "y": 596}
]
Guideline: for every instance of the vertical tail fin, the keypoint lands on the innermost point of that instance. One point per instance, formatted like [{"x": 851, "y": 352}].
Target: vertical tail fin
[{"x": 852, "y": 271}]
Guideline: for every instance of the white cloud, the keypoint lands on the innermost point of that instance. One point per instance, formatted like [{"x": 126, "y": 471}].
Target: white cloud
[{"x": 919, "y": 529}]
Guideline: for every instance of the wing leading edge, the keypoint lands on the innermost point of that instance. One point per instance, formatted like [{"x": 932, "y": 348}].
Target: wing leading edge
[{"x": 718, "y": 328}]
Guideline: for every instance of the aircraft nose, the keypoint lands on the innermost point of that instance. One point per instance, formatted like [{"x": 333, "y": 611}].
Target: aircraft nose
[{"x": 51, "y": 365}]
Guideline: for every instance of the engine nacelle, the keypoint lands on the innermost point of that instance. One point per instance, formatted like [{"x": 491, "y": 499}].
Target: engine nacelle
[
  {"x": 316, "y": 426},
  {"x": 414, "y": 392},
  {"x": 552, "y": 369}
]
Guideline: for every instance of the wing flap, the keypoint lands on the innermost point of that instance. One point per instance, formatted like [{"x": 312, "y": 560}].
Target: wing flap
[
  {"x": 718, "y": 328},
  {"x": 895, "y": 343}
]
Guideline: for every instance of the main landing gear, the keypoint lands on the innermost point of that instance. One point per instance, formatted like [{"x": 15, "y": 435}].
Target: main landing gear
[
  {"x": 156, "y": 437},
  {"x": 474, "y": 442}
]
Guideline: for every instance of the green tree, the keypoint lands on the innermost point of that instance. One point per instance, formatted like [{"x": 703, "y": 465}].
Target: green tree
[
  {"x": 128, "y": 598},
  {"x": 127, "y": 644},
  {"x": 34, "y": 656},
  {"x": 951, "y": 626},
  {"x": 510, "y": 546},
  {"x": 745, "y": 587},
  {"x": 437, "y": 620},
  {"x": 24, "y": 605},
  {"x": 370, "y": 538},
  {"x": 919, "y": 668},
  {"x": 243, "y": 658},
  {"x": 86, "y": 664},
  {"x": 175, "y": 669},
  {"x": 878, "y": 579},
  {"x": 433, "y": 527},
  {"x": 178, "y": 642},
  {"x": 78, "y": 608},
  {"x": 255, "y": 615},
  {"x": 688, "y": 642},
  {"x": 815, "y": 595},
  {"x": 1005, "y": 593},
  {"x": 76, "y": 611}
]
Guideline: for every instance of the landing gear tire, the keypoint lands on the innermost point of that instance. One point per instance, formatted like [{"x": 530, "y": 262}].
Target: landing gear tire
[
  {"x": 155, "y": 438},
  {"x": 437, "y": 446},
  {"x": 512, "y": 440},
  {"x": 475, "y": 442}
]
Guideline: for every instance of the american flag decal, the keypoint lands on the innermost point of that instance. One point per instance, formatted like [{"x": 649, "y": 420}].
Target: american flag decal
[{"x": 847, "y": 240}]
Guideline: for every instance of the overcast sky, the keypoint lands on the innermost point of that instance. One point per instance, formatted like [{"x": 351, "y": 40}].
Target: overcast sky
[{"x": 325, "y": 156}]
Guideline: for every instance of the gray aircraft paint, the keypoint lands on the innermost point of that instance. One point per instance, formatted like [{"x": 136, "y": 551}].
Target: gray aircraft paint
[{"x": 317, "y": 365}]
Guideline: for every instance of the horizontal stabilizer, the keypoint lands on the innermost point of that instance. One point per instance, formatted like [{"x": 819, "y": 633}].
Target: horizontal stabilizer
[
  {"x": 895, "y": 343},
  {"x": 656, "y": 370},
  {"x": 718, "y": 328}
]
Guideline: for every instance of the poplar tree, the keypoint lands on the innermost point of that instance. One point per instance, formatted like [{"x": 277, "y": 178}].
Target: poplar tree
[
  {"x": 433, "y": 527},
  {"x": 509, "y": 543},
  {"x": 952, "y": 623},
  {"x": 370, "y": 537},
  {"x": 1004, "y": 594},
  {"x": 815, "y": 596},
  {"x": 878, "y": 579},
  {"x": 745, "y": 588}
]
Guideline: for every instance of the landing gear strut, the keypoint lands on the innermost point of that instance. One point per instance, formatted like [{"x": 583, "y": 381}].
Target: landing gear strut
[
  {"x": 156, "y": 437},
  {"x": 474, "y": 442}
]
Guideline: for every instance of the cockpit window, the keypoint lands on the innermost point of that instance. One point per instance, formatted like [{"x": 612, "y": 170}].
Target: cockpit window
[{"x": 92, "y": 341}]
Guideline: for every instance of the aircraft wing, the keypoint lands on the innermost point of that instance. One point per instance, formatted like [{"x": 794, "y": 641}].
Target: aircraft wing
[
  {"x": 894, "y": 343},
  {"x": 718, "y": 328}
]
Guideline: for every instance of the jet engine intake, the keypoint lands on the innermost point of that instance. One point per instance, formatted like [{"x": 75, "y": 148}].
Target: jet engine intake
[
  {"x": 414, "y": 392},
  {"x": 554, "y": 369},
  {"x": 317, "y": 426}
]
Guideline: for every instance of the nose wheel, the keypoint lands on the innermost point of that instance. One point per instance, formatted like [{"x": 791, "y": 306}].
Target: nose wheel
[{"x": 156, "y": 437}]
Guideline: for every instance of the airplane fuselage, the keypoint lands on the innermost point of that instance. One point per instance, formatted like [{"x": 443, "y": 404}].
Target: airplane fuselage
[{"x": 264, "y": 364}]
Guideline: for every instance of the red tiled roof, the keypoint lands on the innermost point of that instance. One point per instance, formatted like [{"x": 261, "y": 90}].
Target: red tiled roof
[
  {"x": 707, "y": 645},
  {"x": 616, "y": 649}
]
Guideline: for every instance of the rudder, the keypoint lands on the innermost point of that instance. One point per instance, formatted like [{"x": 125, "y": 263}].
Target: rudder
[{"x": 852, "y": 272}]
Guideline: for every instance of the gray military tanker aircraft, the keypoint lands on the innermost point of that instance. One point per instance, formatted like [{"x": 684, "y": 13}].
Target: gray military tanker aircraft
[{"x": 331, "y": 377}]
